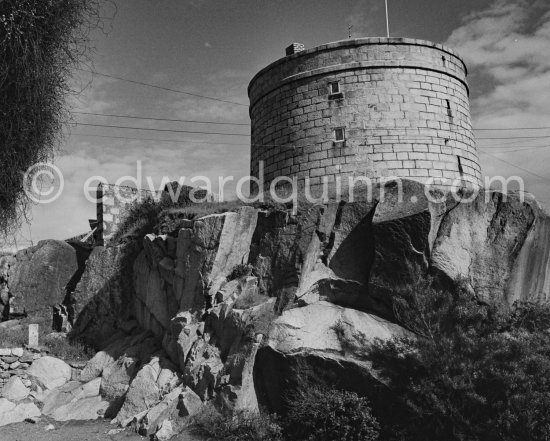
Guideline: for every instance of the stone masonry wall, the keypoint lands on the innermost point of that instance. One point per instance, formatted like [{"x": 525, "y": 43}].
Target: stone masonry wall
[
  {"x": 403, "y": 104},
  {"x": 113, "y": 204},
  {"x": 16, "y": 361}
]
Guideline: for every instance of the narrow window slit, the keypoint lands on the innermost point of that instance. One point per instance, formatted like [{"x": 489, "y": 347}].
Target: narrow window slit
[{"x": 460, "y": 169}]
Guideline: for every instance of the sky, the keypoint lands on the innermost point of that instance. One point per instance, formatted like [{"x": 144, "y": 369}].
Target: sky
[{"x": 214, "y": 48}]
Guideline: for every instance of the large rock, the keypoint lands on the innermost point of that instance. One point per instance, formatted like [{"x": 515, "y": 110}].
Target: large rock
[
  {"x": 152, "y": 289},
  {"x": 490, "y": 246},
  {"x": 75, "y": 401},
  {"x": 530, "y": 279},
  {"x": 85, "y": 409},
  {"x": 70, "y": 393},
  {"x": 203, "y": 368},
  {"x": 103, "y": 297},
  {"x": 18, "y": 413},
  {"x": 283, "y": 247},
  {"x": 108, "y": 356},
  {"x": 15, "y": 390},
  {"x": 208, "y": 252},
  {"x": 177, "y": 407},
  {"x": 181, "y": 336},
  {"x": 116, "y": 378},
  {"x": 49, "y": 372},
  {"x": 322, "y": 343},
  {"x": 404, "y": 225},
  {"x": 39, "y": 277},
  {"x": 155, "y": 379},
  {"x": 188, "y": 277}
]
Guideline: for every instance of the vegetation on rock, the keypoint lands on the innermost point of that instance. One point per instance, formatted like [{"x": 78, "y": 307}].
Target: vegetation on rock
[
  {"x": 475, "y": 373},
  {"x": 241, "y": 270},
  {"x": 243, "y": 426}
]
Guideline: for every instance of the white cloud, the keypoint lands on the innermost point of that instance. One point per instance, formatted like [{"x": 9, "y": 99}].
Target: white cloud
[{"x": 507, "y": 45}]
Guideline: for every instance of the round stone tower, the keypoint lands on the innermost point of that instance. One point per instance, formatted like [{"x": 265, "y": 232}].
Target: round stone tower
[{"x": 373, "y": 107}]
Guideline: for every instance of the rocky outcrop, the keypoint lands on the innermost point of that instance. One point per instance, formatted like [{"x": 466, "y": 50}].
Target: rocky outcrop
[
  {"x": 529, "y": 277},
  {"x": 103, "y": 298},
  {"x": 319, "y": 343},
  {"x": 154, "y": 379},
  {"x": 311, "y": 292},
  {"x": 489, "y": 245},
  {"x": 38, "y": 278}
]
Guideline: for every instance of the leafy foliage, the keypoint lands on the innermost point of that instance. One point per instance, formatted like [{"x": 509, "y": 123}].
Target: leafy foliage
[
  {"x": 243, "y": 426},
  {"x": 475, "y": 373},
  {"x": 40, "y": 42},
  {"x": 241, "y": 270},
  {"x": 324, "y": 414}
]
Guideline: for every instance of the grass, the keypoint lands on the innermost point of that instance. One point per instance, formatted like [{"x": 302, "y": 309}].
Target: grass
[
  {"x": 57, "y": 345},
  {"x": 195, "y": 211}
]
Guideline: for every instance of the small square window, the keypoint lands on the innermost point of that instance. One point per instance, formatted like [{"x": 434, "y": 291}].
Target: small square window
[
  {"x": 340, "y": 134},
  {"x": 335, "y": 91}
]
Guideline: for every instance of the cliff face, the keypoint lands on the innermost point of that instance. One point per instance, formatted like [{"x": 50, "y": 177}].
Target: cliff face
[{"x": 314, "y": 289}]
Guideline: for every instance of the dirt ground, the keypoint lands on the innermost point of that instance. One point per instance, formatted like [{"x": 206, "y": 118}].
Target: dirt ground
[{"x": 74, "y": 431}]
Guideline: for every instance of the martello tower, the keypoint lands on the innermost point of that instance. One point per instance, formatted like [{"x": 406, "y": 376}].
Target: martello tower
[{"x": 374, "y": 107}]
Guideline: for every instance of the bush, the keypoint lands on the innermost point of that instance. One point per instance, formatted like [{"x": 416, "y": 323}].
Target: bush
[
  {"x": 243, "y": 426},
  {"x": 475, "y": 373},
  {"x": 239, "y": 271},
  {"x": 40, "y": 43},
  {"x": 323, "y": 414}
]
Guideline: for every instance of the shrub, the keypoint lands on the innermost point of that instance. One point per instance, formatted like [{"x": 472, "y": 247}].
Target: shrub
[
  {"x": 475, "y": 373},
  {"x": 40, "y": 43},
  {"x": 243, "y": 426},
  {"x": 240, "y": 270},
  {"x": 323, "y": 414}
]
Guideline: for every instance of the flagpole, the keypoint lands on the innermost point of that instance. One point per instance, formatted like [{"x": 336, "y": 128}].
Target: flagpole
[{"x": 387, "y": 20}]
